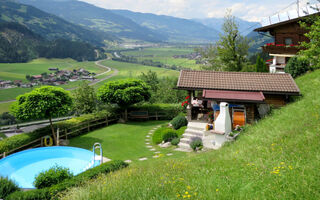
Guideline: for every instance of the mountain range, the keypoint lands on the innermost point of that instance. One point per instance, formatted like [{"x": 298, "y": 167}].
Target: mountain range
[{"x": 127, "y": 25}]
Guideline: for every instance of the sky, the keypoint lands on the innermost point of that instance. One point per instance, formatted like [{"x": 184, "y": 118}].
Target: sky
[{"x": 250, "y": 10}]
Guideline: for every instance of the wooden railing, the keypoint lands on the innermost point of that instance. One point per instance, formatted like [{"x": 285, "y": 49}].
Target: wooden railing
[{"x": 81, "y": 128}]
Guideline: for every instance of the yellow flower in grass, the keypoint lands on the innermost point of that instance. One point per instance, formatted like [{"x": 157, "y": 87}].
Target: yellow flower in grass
[
  {"x": 217, "y": 190},
  {"x": 282, "y": 163},
  {"x": 189, "y": 195},
  {"x": 187, "y": 192},
  {"x": 188, "y": 187}
]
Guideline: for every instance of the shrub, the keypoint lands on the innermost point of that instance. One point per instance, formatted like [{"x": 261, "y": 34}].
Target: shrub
[
  {"x": 52, "y": 176},
  {"x": 158, "y": 134},
  {"x": 297, "y": 66},
  {"x": 175, "y": 141},
  {"x": 196, "y": 143},
  {"x": 168, "y": 110},
  {"x": 181, "y": 131},
  {"x": 179, "y": 121},
  {"x": 16, "y": 141},
  {"x": 80, "y": 179},
  {"x": 169, "y": 135},
  {"x": 7, "y": 187}
]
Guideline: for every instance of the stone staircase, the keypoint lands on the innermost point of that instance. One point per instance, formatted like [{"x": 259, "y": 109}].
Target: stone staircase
[{"x": 194, "y": 129}]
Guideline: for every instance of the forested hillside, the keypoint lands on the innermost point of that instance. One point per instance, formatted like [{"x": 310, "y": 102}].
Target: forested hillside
[
  {"x": 19, "y": 44},
  {"x": 47, "y": 25}
]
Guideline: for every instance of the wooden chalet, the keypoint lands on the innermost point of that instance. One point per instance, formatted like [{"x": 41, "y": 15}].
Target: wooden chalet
[
  {"x": 287, "y": 34},
  {"x": 250, "y": 95}
]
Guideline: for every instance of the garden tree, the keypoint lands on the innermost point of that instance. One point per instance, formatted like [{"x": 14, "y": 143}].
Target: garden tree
[
  {"x": 312, "y": 48},
  {"x": 85, "y": 99},
  {"x": 151, "y": 79},
  {"x": 261, "y": 66},
  {"x": 230, "y": 52},
  {"x": 124, "y": 93},
  {"x": 166, "y": 93},
  {"x": 297, "y": 66},
  {"x": 45, "y": 102}
]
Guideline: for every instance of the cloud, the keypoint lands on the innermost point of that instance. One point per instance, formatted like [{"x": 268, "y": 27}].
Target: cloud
[{"x": 251, "y": 10}]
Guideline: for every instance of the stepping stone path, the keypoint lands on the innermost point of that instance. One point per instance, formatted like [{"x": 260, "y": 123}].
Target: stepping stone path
[
  {"x": 128, "y": 161},
  {"x": 150, "y": 147}
]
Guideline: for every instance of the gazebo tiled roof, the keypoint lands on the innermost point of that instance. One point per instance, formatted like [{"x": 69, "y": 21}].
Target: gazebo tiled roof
[{"x": 267, "y": 83}]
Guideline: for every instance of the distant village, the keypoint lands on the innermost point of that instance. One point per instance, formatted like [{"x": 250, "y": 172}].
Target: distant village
[{"x": 57, "y": 77}]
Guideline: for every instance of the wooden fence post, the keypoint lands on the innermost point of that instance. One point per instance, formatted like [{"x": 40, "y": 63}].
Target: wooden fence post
[
  {"x": 88, "y": 127},
  {"x": 107, "y": 121},
  {"x": 157, "y": 115}
]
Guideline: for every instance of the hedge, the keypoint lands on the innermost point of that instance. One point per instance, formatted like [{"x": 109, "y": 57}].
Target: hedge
[
  {"x": 16, "y": 141},
  {"x": 170, "y": 110},
  {"x": 52, "y": 192}
]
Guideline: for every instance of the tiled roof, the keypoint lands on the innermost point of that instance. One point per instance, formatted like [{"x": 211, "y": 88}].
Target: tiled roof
[
  {"x": 233, "y": 95},
  {"x": 238, "y": 81}
]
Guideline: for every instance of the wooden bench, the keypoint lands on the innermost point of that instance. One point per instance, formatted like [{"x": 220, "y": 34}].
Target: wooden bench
[{"x": 138, "y": 115}]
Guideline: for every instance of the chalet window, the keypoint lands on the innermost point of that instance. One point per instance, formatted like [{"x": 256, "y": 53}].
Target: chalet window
[{"x": 288, "y": 41}]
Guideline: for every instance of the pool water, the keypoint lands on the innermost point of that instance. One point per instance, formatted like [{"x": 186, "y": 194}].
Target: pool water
[{"x": 24, "y": 166}]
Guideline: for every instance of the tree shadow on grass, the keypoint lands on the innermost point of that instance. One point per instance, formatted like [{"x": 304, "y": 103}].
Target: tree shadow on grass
[{"x": 84, "y": 142}]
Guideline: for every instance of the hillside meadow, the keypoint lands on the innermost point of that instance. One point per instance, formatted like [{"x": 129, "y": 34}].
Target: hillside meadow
[{"x": 276, "y": 158}]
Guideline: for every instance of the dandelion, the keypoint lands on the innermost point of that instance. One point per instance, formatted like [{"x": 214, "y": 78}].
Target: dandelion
[
  {"x": 188, "y": 187},
  {"x": 189, "y": 196},
  {"x": 187, "y": 192},
  {"x": 217, "y": 190},
  {"x": 282, "y": 163}
]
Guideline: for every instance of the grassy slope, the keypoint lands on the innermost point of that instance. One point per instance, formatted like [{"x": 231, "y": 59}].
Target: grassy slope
[
  {"x": 278, "y": 158},
  {"x": 120, "y": 141}
]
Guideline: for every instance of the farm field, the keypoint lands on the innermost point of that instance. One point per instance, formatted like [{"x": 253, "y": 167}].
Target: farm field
[
  {"x": 4, "y": 107},
  {"x": 18, "y": 71},
  {"x": 165, "y": 56},
  {"x": 129, "y": 70},
  {"x": 158, "y": 52}
]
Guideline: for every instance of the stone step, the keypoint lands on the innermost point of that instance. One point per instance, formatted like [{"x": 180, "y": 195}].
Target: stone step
[
  {"x": 194, "y": 133},
  {"x": 185, "y": 140},
  {"x": 189, "y": 135},
  {"x": 184, "y": 146}
]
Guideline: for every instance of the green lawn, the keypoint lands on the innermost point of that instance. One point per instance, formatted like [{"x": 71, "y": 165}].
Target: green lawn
[
  {"x": 120, "y": 141},
  {"x": 277, "y": 158}
]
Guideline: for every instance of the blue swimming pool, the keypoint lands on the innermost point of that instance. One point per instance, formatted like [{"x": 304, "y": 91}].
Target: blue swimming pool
[{"x": 22, "y": 167}]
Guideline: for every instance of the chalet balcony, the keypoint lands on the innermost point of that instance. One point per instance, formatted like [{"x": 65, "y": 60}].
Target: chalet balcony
[{"x": 281, "y": 49}]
